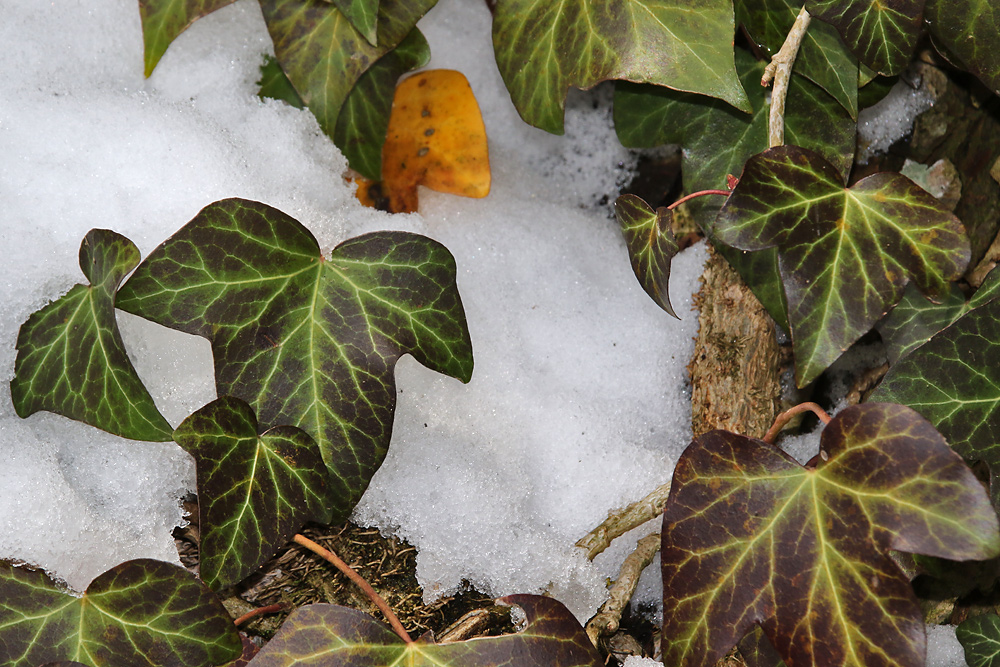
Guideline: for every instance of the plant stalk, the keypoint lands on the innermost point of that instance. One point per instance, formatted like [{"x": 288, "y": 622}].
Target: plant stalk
[
  {"x": 700, "y": 193},
  {"x": 780, "y": 70},
  {"x": 619, "y": 523},
  {"x": 259, "y": 611},
  {"x": 785, "y": 417},
  {"x": 606, "y": 620},
  {"x": 332, "y": 558}
]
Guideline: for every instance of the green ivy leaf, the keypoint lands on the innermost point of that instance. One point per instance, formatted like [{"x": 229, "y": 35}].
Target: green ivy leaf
[
  {"x": 543, "y": 48},
  {"x": 324, "y": 634},
  {"x": 275, "y": 85},
  {"x": 915, "y": 319},
  {"x": 363, "y": 15},
  {"x": 954, "y": 381},
  {"x": 980, "y": 637},
  {"x": 305, "y": 340},
  {"x": 142, "y": 612},
  {"x": 750, "y": 536},
  {"x": 845, "y": 254},
  {"x": 364, "y": 119},
  {"x": 164, "y": 20},
  {"x": 254, "y": 492},
  {"x": 970, "y": 31},
  {"x": 823, "y": 58},
  {"x": 322, "y": 53},
  {"x": 651, "y": 246},
  {"x": 718, "y": 140},
  {"x": 882, "y": 35},
  {"x": 71, "y": 359}
]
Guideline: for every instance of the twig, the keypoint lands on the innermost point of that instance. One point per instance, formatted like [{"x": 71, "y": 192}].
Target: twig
[
  {"x": 606, "y": 620},
  {"x": 619, "y": 523},
  {"x": 701, "y": 193},
  {"x": 780, "y": 70},
  {"x": 259, "y": 611},
  {"x": 785, "y": 417},
  {"x": 361, "y": 583}
]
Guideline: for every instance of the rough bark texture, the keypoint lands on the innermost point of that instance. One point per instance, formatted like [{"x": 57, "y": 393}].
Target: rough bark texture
[{"x": 735, "y": 382}]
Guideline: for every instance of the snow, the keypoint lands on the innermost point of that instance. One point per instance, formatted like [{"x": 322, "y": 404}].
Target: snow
[
  {"x": 578, "y": 403},
  {"x": 891, "y": 118}
]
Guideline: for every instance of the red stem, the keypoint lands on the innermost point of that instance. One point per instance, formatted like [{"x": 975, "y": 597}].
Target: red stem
[
  {"x": 259, "y": 611},
  {"x": 702, "y": 193},
  {"x": 785, "y": 416},
  {"x": 361, "y": 583}
]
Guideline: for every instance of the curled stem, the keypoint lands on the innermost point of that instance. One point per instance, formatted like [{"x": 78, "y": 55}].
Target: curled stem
[
  {"x": 332, "y": 558},
  {"x": 784, "y": 417},
  {"x": 701, "y": 193},
  {"x": 780, "y": 70}
]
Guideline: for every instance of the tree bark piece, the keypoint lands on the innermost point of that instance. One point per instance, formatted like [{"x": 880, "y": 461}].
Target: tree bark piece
[{"x": 735, "y": 381}]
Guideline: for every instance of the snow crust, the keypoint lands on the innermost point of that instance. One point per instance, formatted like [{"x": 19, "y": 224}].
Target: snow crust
[{"x": 578, "y": 403}]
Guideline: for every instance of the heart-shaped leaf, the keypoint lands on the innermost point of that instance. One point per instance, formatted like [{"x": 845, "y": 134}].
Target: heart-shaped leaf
[
  {"x": 970, "y": 31},
  {"x": 254, "y": 492},
  {"x": 364, "y": 119},
  {"x": 750, "y": 536},
  {"x": 980, "y": 637},
  {"x": 324, "y": 55},
  {"x": 845, "y": 254},
  {"x": 881, "y": 34},
  {"x": 363, "y": 15},
  {"x": 954, "y": 381},
  {"x": 71, "y": 359},
  {"x": 915, "y": 319},
  {"x": 542, "y": 48},
  {"x": 436, "y": 138},
  {"x": 324, "y": 634},
  {"x": 164, "y": 20},
  {"x": 305, "y": 340},
  {"x": 718, "y": 140},
  {"x": 823, "y": 58},
  {"x": 142, "y": 612},
  {"x": 651, "y": 246}
]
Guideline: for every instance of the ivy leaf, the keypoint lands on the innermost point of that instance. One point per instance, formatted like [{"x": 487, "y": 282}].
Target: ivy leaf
[
  {"x": 844, "y": 254},
  {"x": 142, "y": 612},
  {"x": 823, "y": 58},
  {"x": 324, "y": 56},
  {"x": 750, "y": 536},
  {"x": 970, "y": 31},
  {"x": 363, "y": 15},
  {"x": 364, "y": 119},
  {"x": 254, "y": 492},
  {"x": 718, "y": 140},
  {"x": 651, "y": 246},
  {"x": 323, "y": 634},
  {"x": 882, "y": 35},
  {"x": 543, "y": 48},
  {"x": 71, "y": 359},
  {"x": 164, "y": 20},
  {"x": 954, "y": 381},
  {"x": 305, "y": 340},
  {"x": 980, "y": 637},
  {"x": 915, "y": 319},
  {"x": 274, "y": 84}
]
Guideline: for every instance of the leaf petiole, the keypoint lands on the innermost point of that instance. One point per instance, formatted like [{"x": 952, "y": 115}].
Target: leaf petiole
[
  {"x": 785, "y": 417},
  {"x": 332, "y": 558},
  {"x": 700, "y": 193}
]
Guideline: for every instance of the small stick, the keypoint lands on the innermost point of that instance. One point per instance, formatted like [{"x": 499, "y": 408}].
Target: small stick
[
  {"x": 785, "y": 417},
  {"x": 780, "y": 70},
  {"x": 361, "y": 583},
  {"x": 607, "y": 619},
  {"x": 260, "y": 611},
  {"x": 701, "y": 193},
  {"x": 619, "y": 523}
]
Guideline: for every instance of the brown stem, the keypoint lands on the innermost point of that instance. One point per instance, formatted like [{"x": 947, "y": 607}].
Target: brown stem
[
  {"x": 702, "y": 193},
  {"x": 785, "y": 416},
  {"x": 361, "y": 583},
  {"x": 259, "y": 611},
  {"x": 780, "y": 70}
]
